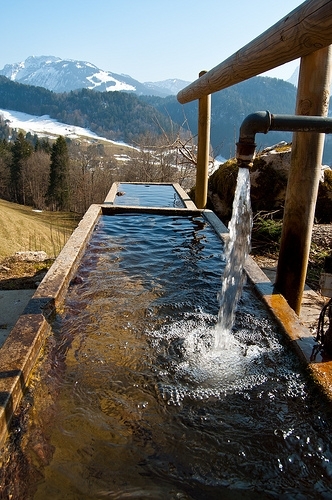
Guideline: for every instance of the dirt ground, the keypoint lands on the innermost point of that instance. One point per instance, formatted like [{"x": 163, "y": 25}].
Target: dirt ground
[
  {"x": 22, "y": 275},
  {"x": 321, "y": 245}
]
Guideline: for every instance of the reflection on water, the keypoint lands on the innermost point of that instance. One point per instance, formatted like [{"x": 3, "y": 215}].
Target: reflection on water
[
  {"x": 148, "y": 195},
  {"x": 130, "y": 401}
]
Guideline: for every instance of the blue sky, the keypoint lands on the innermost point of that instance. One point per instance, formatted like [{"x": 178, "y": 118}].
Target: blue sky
[{"x": 150, "y": 40}]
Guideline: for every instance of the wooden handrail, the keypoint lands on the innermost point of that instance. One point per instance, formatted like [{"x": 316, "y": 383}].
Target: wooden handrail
[{"x": 304, "y": 30}]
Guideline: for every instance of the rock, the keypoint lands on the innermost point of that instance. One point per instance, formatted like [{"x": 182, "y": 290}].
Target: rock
[
  {"x": 30, "y": 256},
  {"x": 77, "y": 280},
  {"x": 268, "y": 178}
]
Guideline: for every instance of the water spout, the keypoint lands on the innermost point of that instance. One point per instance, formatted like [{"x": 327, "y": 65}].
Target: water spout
[{"x": 238, "y": 245}]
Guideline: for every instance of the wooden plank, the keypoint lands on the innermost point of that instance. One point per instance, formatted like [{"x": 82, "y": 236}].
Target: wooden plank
[{"x": 304, "y": 30}]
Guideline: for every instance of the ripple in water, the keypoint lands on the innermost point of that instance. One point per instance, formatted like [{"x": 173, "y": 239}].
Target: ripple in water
[{"x": 202, "y": 359}]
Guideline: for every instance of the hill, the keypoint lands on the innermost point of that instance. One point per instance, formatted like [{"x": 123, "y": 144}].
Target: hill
[
  {"x": 118, "y": 116},
  {"x": 46, "y": 127},
  {"x": 230, "y": 106},
  {"x": 23, "y": 229}
]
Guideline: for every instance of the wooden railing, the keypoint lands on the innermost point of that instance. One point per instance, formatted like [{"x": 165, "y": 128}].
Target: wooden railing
[
  {"x": 304, "y": 33},
  {"x": 306, "y": 29}
]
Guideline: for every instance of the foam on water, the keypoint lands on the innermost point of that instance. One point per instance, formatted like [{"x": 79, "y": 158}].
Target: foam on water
[
  {"x": 190, "y": 366},
  {"x": 211, "y": 361}
]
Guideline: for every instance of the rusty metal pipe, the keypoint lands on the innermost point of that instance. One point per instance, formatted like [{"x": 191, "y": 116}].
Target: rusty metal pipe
[{"x": 264, "y": 121}]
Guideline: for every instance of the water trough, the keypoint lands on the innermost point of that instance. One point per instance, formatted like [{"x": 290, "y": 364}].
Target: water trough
[{"x": 181, "y": 427}]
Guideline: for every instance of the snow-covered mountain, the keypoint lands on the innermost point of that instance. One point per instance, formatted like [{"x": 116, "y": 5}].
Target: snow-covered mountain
[
  {"x": 170, "y": 86},
  {"x": 295, "y": 76},
  {"x": 60, "y": 75}
]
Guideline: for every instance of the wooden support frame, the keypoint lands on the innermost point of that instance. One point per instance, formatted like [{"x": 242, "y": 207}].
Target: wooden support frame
[
  {"x": 303, "y": 181},
  {"x": 306, "y": 32},
  {"x": 203, "y": 149}
]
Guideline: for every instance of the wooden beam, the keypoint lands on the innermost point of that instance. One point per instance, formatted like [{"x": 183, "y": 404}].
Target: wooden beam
[{"x": 304, "y": 30}]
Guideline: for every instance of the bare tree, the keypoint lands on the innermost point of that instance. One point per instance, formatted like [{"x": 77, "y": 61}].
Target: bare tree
[
  {"x": 91, "y": 176},
  {"x": 36, "y": 173},
  {"x": 160, "y": 159},
  {"x": 169, "y": 157}
]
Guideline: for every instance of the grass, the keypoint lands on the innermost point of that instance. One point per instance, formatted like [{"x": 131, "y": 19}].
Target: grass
[
  {"x": 22, "y": 229},
  {"x": 265, "y": 241},
  {"x": 266, "y": 234}
]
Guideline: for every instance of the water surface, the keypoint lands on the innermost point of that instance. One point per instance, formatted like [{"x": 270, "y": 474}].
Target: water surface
[
  {"x": 130, "y": 400},
  {"x": 148, "y": 195}
]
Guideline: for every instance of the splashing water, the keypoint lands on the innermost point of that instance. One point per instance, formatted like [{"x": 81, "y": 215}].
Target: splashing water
[{"x": 236, "y": 251}]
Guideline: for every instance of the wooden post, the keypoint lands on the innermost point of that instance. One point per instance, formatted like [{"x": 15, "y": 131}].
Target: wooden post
[
  {"x": 303, "y": 181},
  {"x": 203, "y": 149}
]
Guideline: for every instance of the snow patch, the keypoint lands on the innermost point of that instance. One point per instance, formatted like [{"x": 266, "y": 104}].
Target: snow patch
[
  {"x": 104, "y": 77},
  {"x": 44, "y": 126}
]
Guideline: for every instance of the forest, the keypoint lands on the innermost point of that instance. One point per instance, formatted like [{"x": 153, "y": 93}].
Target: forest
[
  {"x": 118, "y": 116},
  {"x": 34, "y": 172},
  {"x": 69, "y": 175},
  {"x": 123, "y": 116}
]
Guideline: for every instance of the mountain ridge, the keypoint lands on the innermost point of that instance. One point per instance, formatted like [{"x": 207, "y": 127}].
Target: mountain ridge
[
  {"x": 65, "y": 75},
  {"x": 126, "y": 115}
]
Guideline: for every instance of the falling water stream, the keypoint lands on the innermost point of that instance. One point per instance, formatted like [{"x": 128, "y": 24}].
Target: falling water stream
[
  {"x": 147, "y": 389},
  {"x": 237, "y": 249}
]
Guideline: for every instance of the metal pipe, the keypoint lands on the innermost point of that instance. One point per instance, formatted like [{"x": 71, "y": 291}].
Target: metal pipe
[
  {"x": 251, "y": 125},
  {"x": 294, "y": 240},
  {"x": 264, "y": 121},
  {"x": 300, "y": 123}
]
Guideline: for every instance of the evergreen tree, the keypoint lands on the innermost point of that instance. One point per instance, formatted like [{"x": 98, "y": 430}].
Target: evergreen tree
[
  {"x": 21, "y": 150},
  {"x": 42, "y": 145},
  {"x": 4, "y": 129},
  {"x": 5, "y": 162},
  {"x": 58, "y": 190}
]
